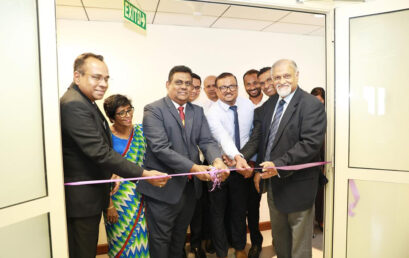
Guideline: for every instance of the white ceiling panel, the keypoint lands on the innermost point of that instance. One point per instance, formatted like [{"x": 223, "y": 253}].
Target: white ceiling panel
[
  {"x": 70, "y": 13},
  {"x": 183, "y": 19},
  {"x": 304, "y": 18},
  {"x": 240, "y": 24},
  {"x": 149, "y": 17},
  {"x": 188, "y": 7},
  {"x": 318, "y": 32},
  {"x": 113, "y": 4},
  {"x": 252, "y": 13},
  {"x": 147, "y": 5},
  {"x": 69, "y": 2},
  {"x": 291, "y": 28},
  {"x": 101, "y": 14}
]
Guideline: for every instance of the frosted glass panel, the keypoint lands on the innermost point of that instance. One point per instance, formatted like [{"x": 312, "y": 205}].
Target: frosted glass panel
[
  {"x": 29, "y": 238},
  {"x": 379, "y": 91},
  {"x": 380, "y": 226},
  {"x": 21, "y": 139}
]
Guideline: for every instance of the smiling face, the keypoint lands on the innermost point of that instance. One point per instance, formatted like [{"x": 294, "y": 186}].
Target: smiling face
[
  {"x": 179, "y": 88},
  {"x": 92, "y": 79},
  {"x": 124, "y": 115},
  {"x": 285, "y": 78},
  {"x": 209, "y": 86},
  {"x": 252, "y": 85},
  {"x": 227, "y": 90},
  {"x": 266, "y": 83},
  {"x": 195, "y": 92}
]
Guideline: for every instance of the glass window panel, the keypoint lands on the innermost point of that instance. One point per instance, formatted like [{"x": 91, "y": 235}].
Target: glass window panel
[
  {"x": 380, "y": 225},
  {"x": 379, "y": 90},
  {"x": 21, "y": 151},
  {"x": 28, "y": 238}
]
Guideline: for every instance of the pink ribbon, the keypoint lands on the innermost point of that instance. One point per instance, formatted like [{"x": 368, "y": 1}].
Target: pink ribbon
[
  {"x": 355, "y": 194},
  {"x": 213, "y": 174}
]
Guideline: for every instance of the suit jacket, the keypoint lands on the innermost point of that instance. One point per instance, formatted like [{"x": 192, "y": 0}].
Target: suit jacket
[
  {"x": 88, "y": 154},
  {"x": 298, "y": 140},
  {"x": 173, "y": 148}
]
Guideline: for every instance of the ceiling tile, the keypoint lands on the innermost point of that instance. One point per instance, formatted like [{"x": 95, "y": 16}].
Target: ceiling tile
[
  {"x": 253, "y": 13},
  {"x": 101, "y": 14},
  {"x": 190, "y": 7},
  {"x": 149, "y": 17},
  {"x": 145, "y": 5},
  {"x": 318, "y": 32},
  {"x": 240, "y": 24},
  {"x": 68, "y": 2},
  {"x": 183, "y": 19},
  {"x": 70, "y": 13},
  {"x": 304, "y": 18},
  {"x": 291, "y": 28}
]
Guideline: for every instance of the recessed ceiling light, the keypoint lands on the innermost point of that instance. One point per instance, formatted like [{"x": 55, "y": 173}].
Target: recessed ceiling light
[{"x": 318, "y": 15}]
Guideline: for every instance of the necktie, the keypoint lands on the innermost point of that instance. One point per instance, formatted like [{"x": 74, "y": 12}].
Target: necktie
[
  {"x": 273, "y": 128},
  {"x": 236, "y": 127},
  {"x": 182, "y": 115}
]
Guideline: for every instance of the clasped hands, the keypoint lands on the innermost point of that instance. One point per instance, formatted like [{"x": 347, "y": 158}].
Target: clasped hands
[
  {"x": 268, "y": 171},
  {"x": 241, "y": 165},
  {"x": 217, "y": 164}
]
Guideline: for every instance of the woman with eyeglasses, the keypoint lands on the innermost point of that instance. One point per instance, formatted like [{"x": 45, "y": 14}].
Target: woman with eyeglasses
[{"x": 125, "y": 217}]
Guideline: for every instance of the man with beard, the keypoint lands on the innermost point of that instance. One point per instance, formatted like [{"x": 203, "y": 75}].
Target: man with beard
[
  {"x": 293, "y": 129},
  {"x": 252, "y": 86}
]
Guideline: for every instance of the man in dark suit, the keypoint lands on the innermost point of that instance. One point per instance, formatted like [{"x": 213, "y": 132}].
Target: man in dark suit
[
  {"x": 292, "y": 132},
  {"x": 88, "y": 154},
  {"x": 174, "y": 129}
]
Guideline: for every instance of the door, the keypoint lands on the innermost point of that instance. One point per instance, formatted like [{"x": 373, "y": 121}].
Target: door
[
  {"x": 371, "y": 194},
  {"x": 32, "y": 210}
]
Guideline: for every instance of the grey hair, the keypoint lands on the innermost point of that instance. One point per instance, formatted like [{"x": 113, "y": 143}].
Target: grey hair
[{"x": 282, "y": 61}]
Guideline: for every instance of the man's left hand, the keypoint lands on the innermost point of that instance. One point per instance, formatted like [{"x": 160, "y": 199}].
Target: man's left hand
[
  {"x": 242, "y": 167},
  {"x": 219, "y": 165},
  {"x": 268, "y": 169}
]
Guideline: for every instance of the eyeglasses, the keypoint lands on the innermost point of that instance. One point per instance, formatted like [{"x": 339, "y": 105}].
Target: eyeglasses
[
  {"x": 268, "y": 82},
  {"x": 124, "y": 113},
  {"x": 286, "y": 76},
  {"x": 98, "y": 77},
  {"x": 232, "y": 87}
]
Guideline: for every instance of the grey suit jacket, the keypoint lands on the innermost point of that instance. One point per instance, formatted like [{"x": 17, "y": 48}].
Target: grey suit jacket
[
  {"x": 298, "y": 140},
  {"x": 88, "y": 155},
  {"x": 173, "y": 148}
]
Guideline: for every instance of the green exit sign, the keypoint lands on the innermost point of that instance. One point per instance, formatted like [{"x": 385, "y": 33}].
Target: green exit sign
[{"x": 134, "y": 15}]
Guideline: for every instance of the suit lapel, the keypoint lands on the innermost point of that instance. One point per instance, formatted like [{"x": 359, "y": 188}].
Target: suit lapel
[
  {"x": 190, "y": 113},
  {"x": 292, "y": 106},
  {"x": 175, "y": 115},
  {"x": 268, "y": 118}
]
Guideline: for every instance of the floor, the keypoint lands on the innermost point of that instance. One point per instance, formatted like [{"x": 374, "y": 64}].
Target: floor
[{"x": 268, "y": 251}]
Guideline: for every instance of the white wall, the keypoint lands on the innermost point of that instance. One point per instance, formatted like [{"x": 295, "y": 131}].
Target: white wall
[{"x": 139, "y": 64}]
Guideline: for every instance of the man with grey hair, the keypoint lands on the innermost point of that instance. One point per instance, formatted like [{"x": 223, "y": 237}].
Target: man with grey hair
[{"x": 294, "y": 124}]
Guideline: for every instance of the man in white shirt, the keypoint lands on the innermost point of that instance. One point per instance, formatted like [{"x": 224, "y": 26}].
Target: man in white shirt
[
  {"x": 252, "y": 87},
  {"x": 230, "y": 120}
]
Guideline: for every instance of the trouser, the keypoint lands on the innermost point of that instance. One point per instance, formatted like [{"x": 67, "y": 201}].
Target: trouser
[
  {"x": 83, "y": 236},
  {"x": 253, "y": 213}
]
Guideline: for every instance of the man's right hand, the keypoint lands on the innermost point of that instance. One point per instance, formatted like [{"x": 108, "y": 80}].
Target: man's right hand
[
  {"x": 201, "y": 168},
  {"x": 160, "y": 182},
  {"x": 242, "y": 167}
]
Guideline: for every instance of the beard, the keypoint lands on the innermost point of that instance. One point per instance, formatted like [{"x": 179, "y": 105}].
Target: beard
[{"x": 283, "y": 90}]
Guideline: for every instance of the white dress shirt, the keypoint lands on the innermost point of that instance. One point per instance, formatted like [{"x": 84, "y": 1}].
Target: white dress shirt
[
  {"x": 261, "y": 102},
  {"x": 221, "y": 123}
]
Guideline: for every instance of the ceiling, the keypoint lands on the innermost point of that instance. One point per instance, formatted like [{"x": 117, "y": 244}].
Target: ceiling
[{"x": 197, "y": 14}]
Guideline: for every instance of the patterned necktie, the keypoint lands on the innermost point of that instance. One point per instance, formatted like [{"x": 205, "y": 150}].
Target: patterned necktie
[
  {"x": 182, "y": 114},
  {"x": 236, "y": 127},
  {"x": 273, "y": 128}
]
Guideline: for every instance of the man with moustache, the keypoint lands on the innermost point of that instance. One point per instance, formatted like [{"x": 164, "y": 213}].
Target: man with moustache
[
  {"x": 209, "y": 87},
  {"x": 175, "y": 130},
  {"x": 88, "y": 154},
  {"x": 293, "y": 129},
  {"x": 266, "y": 82},
  {"x": 230, "y": 120},
  {"x": 253, "y": 89}
]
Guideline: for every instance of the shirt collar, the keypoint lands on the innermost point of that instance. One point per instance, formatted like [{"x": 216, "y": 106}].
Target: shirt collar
[
  {"x": 223, "y": 105},
  {"x": 177, "y": 105}
]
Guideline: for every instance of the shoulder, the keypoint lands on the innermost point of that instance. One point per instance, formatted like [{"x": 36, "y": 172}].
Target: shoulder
[{"x": 245, "y": 102}]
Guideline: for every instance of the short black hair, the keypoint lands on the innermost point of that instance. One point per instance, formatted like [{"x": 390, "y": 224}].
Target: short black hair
[
  {"x": 263, "y": 70},
  {"x": 196, "y": 77},
  {"x": 318, "y": 91},
  {"x": 113, "y": 102},
  {"x": 178, "y": 69},
  {"x": 251, "y": 71},
  {"x": 80, "y": 60},
  {"x": 224, "y": 75}
]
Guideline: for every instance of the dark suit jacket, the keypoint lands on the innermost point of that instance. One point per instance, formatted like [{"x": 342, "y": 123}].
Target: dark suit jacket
[
  {"x": 173, "y": 148},
  {"x": 298, "y": 140},
  {"x": 88, "y": 154}
]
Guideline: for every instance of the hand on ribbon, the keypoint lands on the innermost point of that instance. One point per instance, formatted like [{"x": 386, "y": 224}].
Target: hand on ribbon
[
  {"x": 242, "y": 167},
  {"x": 229, "y": 162},
  {"x": 116, "y": 185},
  {"x": 159, "y": 182},
  {"x": 219, "y": 165},
  {"x": 268, "y": 169},
  {"x": 201, "y": 168}
]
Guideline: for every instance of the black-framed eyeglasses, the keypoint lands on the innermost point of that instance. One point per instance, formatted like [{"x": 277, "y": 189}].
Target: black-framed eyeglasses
[
  {"x": 124, "y": 113},
  {"x": 232, "y": 87}
]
